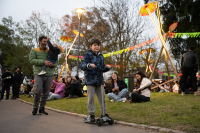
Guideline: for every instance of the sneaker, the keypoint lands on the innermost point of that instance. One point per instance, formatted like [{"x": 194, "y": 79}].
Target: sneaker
[
  {"x": 42, "y": 111},
  {"x": 42, "y": 72},
  {"x": 34, "y": 112},
  {"x": 124, "y": 100},
  {"x": 92, "y": 118},
  {"x": 106, "y": 115},
  {"x": 70, "y": 96},
  {"x": 112, "y": 100},
  {"x": 13, "y": 98},
  {"x": 182, "y": 93}
]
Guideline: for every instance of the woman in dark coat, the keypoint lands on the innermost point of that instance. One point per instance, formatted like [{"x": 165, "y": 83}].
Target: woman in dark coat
[{"x": 118, "y": 89}]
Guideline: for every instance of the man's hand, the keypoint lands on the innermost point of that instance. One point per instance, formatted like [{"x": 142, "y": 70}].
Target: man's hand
[
  {"x": 113, "y": 89},
  {"x": 48, "y": 63},
  {"x": 48, "y": 39}
]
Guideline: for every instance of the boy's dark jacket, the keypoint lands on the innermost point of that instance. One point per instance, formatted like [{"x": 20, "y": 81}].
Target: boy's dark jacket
[
  {"x": 53, "y": 52},
  {"x": 93, "y": 76},
  {"x": 121, "y": 85}
]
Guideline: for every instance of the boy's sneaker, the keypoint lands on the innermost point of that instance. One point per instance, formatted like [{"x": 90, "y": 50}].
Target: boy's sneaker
[
  {"x": 106, "y": 115},
  {"x": 92, "y": 118},
  {"x": 42, "y": 72},
  {"x": 34, "y": 112},
  {"x": 42, "y": 111}
]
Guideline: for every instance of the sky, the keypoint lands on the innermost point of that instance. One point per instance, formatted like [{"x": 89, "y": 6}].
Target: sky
[{"x": 22, "y": 9}]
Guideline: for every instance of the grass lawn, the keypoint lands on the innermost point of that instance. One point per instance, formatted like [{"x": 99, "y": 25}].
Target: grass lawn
[{"x": 168, "y": 110}]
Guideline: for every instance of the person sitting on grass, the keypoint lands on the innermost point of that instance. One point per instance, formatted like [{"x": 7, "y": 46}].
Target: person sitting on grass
[
  {"x": 175, "y": 87},
  {"x": 31, "y": 94},
  {"x": 118, "y": 88},
  {"x": 166, "y": 88},
  {"x": 76, "y": 88},
  {"x": 142, "y": 93},
  {"x": 59, "y": 90},
  {"x": 53, "y": 53},
  {"x": 68, "y": 87}
]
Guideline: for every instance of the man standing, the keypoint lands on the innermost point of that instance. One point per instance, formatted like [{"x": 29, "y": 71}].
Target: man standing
[
  {"x": 42, "y": 83},
  {"x": 189, "y": 67},
  {"x": 16, "y": 83},
  {"x": 7, "y": 79}
]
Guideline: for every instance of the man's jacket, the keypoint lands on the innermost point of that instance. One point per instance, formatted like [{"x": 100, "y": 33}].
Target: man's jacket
[
  {"x": 7, "y": 78},
  {"x": 189, "y": 61},
  {"x": 37, "y": 57}
]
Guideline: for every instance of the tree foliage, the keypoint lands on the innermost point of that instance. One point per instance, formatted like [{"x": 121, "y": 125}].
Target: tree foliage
[{"x": 13, "y": 52}]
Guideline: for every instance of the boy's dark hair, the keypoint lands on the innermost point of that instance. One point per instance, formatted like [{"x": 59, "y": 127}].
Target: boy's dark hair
[
  {"x": 192, "y": 48},
  {"x": 93, "y": 41},
  {"x": 40, "y": 38}
]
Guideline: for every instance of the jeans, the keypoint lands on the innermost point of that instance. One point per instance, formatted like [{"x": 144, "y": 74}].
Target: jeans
[
  {"x": 53, "y": 96},
  {"x": 31, "y": 93},
  {"x": 119, "y": 97},
  {"x": 41, "y": 84}
]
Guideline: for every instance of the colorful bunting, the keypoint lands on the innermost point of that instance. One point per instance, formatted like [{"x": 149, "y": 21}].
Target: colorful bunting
[
  {"x": 189, "y": 35},
  {"x": 172, "y": 35}
]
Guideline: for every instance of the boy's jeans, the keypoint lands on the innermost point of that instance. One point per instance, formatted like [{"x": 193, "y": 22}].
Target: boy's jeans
[{"x": 119, "y": 97}]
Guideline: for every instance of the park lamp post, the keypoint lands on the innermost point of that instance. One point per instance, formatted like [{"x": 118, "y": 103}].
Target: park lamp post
[{"x": 79, "y": 11}]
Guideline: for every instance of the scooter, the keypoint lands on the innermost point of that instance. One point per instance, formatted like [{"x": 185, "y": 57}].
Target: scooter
[{"x": 104, "y": 119}]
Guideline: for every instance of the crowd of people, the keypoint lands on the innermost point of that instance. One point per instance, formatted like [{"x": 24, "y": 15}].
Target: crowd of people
[
  {"x": 46, "y": 87},
  {"x": 15, "y": 80}
]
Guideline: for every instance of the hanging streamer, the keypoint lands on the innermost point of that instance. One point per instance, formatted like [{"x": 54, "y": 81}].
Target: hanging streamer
[
  {"x": 189, "y": 35},
  {"x": 172, "y": 35}
]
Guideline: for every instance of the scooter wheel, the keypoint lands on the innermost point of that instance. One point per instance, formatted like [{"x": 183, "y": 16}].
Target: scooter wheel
[
  {"x": 99, "y": 122},
  {"x": 111, "y": 121}
]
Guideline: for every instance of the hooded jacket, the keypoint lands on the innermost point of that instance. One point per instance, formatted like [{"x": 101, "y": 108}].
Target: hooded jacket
[{"x": 93, "y": 76}]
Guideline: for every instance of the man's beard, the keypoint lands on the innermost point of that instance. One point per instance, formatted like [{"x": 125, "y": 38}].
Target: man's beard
[{"x": 43, "y": 46}]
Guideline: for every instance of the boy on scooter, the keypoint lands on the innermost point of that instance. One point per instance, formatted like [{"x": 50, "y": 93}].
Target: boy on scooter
[{"x": 92, "y": 59}]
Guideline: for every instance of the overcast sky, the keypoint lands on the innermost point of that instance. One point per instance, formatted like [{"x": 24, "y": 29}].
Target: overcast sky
[{"x": 22, "y": 9}]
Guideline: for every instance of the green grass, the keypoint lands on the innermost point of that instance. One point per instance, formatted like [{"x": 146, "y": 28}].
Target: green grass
[{"x": 168, "y": 110}]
